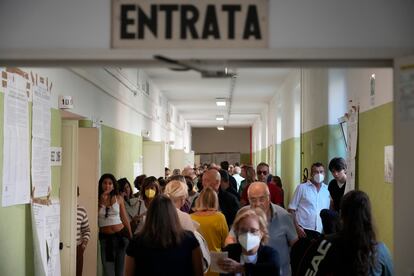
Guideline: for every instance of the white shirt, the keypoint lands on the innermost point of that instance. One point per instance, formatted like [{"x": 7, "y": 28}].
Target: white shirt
[
  {"x": 308, "y": 203},
  {"x": 239, "y": 179}
]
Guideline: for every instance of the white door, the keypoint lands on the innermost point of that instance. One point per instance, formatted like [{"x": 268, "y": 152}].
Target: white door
[
  {"x": 68, "y": 183},
  {"x": 88, "y": 177},
  {"x": 403, "y": 165}
]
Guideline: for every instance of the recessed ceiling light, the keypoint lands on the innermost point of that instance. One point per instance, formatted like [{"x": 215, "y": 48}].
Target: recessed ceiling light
[
  {"x": 220, "y": 128},
  {"x": 219, "y": 117},
  {"x": 220, "y": 102}
]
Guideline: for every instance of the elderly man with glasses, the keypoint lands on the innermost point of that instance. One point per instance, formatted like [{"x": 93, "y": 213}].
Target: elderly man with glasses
[{"x": 282, "y": 233}]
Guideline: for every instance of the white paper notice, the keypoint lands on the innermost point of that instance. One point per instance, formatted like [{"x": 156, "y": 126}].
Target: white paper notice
[
  {"x": 389, "y": 164},
  {"x": 16, "y": 162},
  {"x": 41, "y": 171},
  {"x": 215, "y": 256},
  {"x": 46, "y": 229}
]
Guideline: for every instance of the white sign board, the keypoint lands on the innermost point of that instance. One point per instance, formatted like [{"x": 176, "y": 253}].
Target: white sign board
[{"x": 189, "y": 24}]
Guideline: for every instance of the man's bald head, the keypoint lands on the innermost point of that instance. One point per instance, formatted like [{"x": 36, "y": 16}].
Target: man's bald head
[
  {"x": 212, "y": 178},
  {"x": 259, "y": 195}
]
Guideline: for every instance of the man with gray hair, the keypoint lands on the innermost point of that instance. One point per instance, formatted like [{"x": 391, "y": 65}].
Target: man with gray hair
[
  {"x": 282, "y": 233},
  {"x": 237, "y": 176}
]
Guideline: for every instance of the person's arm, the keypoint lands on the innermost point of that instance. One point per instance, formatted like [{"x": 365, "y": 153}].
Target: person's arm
[
  {"x": 292, "y": 209},
  {"x": 197, "y": 259},
  {"x": 124, "y": 216},
  {"x": 299, "y": 229},
  {"x": 85, "y": 230},
  {"x": 231, "y": 266},
  {"x": 268, "y": 266},
  {"x": 129, "y": 266}
]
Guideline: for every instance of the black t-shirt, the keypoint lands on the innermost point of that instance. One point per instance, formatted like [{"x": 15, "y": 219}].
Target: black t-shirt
[
  {"x": 336, "y": 193},
  {"x": 163, "y": 261}
]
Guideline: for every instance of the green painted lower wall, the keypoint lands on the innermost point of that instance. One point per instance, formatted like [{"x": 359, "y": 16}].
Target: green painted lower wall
[
  {"x": 290, "y": 166},
  {"x": 16, "y": 238},
  {"x": 321, "y": 145},
  {"x": 375, "y": 132},
  {"x": 119, "y": 152}
]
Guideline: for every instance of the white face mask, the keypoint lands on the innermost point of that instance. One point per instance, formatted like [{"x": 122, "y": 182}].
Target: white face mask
[
  {"x": 249, "y": 241},
  {"x": 318, "y": 178}
]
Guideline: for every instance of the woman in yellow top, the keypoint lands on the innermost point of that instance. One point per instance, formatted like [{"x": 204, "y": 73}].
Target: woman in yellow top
[{"x": 213, "y": 224}]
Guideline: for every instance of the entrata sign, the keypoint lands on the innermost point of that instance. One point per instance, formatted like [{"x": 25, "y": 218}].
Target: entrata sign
[{"x": 189, "y": 23}]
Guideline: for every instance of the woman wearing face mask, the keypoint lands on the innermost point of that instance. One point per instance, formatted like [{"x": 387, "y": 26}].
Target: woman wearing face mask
[
  {"x": 114, "y": 228},
  {"x": 150, "y": 189},
  {"x": 249, "y": 256}
]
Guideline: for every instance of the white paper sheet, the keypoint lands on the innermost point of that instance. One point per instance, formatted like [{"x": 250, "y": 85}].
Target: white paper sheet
[
  {"x": 215, "y": 256},
  {"x": 16, "y": 170},
  {"x": 389, "y": 164},
  {"x": 46, "y": 229},
  {"x": 41, "y": 171}
]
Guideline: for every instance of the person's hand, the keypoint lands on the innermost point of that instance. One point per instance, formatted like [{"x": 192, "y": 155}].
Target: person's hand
[
  {"x": 301, "y": 232},
  {"x": 83, "y": 245},
  {"x": 138, "y": 218},
  {"x": 230, "y": 265}
]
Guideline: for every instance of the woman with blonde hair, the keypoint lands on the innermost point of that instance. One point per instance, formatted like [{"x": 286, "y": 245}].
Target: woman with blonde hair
[
  {"x": 250, "y": 256},
  {"x": 213, "y": 225},
  {"x": 178, "y": 192}
]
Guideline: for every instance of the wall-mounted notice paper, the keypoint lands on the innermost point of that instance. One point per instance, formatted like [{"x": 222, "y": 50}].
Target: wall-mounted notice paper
[
  {"x": 46, "y": 238},
  {"x": 16, "y": 157},
  {"x": 389, "y": 164},
  {"x": 41, "y": 171}
]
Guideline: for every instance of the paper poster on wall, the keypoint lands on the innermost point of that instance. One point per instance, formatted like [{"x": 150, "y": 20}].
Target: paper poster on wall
[
  {"x": 16, "y": 157},
  {"x": 46, "y": 229},
  {"x": 41, "y": 154},
  {"x": 56, "y": 156},
  {"x": 352, "y": 143},
  {"x": 138, "y": 167},
  {"x": 389, "y": 164}
]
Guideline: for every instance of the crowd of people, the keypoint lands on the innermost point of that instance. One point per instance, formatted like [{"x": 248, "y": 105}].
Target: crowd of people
[{"x": 178, "y": 224}]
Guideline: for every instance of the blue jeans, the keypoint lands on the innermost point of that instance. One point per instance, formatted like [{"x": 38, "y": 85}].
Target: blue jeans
[{"x": 113, "y": 254}]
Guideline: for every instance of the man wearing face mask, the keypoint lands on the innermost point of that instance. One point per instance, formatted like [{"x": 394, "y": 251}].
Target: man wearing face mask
[{"x": 308, "y": 201}]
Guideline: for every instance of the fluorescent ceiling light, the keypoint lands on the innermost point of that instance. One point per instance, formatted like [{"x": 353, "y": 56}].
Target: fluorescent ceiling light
[
  {"x": 220, "y": 102},
  {"x": 220, "y": 128},
  {"x": 219, "y": 117}
]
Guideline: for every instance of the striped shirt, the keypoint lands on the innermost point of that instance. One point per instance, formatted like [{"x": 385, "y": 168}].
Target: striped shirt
[{"x": 82, "y": 229}]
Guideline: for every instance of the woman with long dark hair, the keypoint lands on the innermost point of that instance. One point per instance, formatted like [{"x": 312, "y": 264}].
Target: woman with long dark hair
[
  {"x": 163, "y": 247},
  {"x": 114, "y": 228},
  {"x": 362, "y": 253},
  {"x": 353, "y": 250}
]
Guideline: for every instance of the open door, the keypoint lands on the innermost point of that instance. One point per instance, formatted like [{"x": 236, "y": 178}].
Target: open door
[
  {"x": 403, "y": 165},
  {"x": 88, "y": 177},
  {"x": 69, "y": 178}
]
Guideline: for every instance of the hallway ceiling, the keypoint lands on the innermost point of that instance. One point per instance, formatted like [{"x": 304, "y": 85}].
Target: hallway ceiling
[{"x": 195, "y": 97}]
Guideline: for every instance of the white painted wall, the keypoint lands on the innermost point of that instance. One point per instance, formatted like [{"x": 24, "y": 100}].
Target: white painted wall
[
  {"x": 105, "y": 100},
  {"x": 328, "y": 91},
  {"x": 52, "y": 24}
]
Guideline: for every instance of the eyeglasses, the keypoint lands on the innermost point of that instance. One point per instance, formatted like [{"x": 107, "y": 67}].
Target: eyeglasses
[
  {"x": 262, "y": 172},
  {"x": 253, "y": 231},
  {"x": 260, "y": 199}
]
